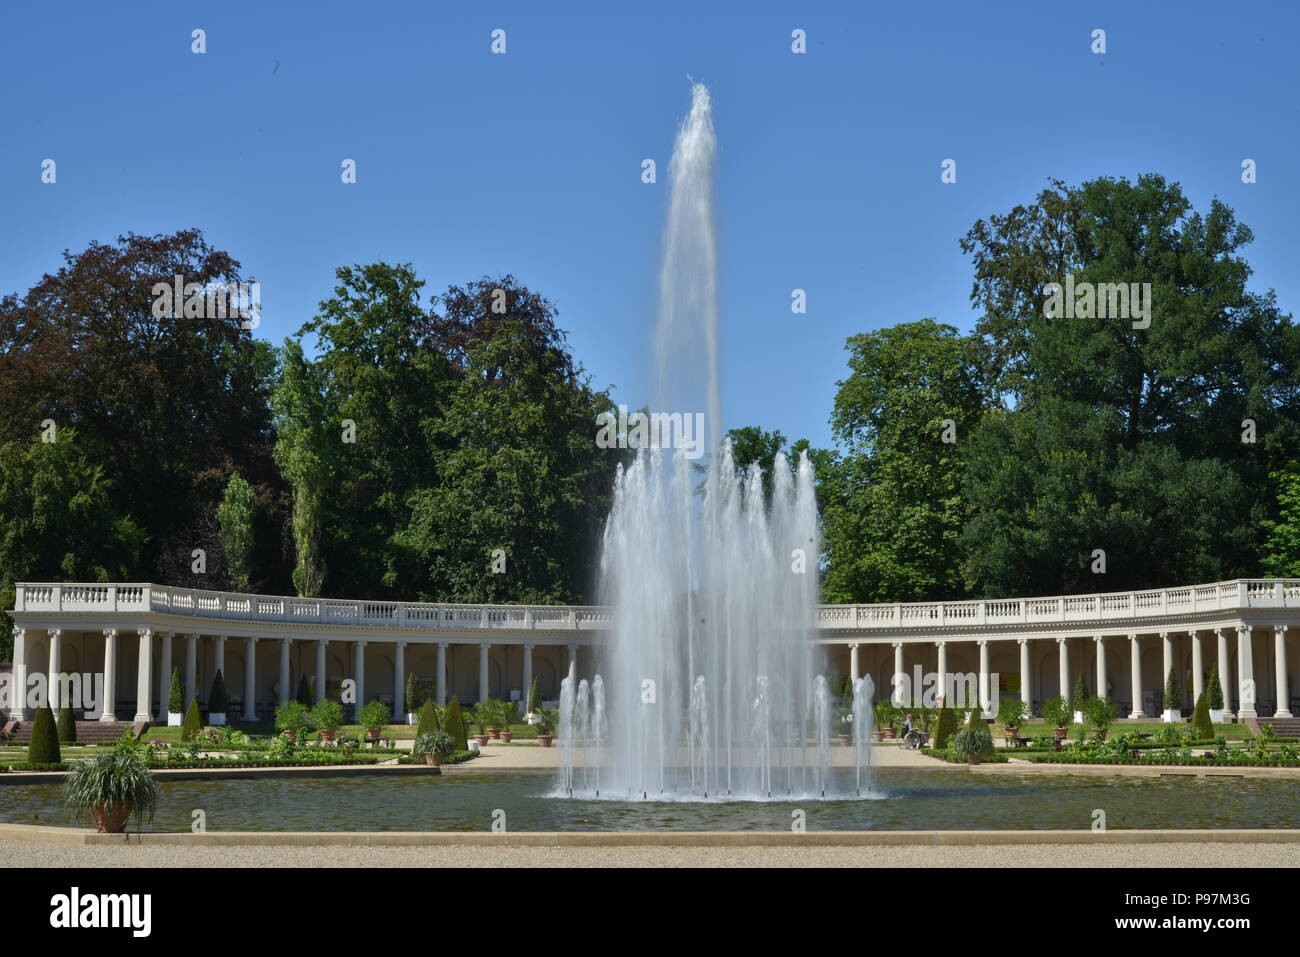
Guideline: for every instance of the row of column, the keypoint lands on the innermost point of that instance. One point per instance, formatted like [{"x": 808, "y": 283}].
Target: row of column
[
  {"x": 1245, "y": 668},
  {"x": 144, "y": 692}
]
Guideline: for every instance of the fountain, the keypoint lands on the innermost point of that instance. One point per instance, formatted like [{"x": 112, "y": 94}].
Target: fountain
[{"x": 712, "y": 683}]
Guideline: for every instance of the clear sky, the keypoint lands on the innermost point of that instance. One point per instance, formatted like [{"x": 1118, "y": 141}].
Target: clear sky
[{"x": 470, "y": 163}]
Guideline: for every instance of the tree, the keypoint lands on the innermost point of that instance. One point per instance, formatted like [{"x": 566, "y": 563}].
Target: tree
[
  {"x": 414, "y": 693},
  {"x": 1173, "y": 694},
  {"x": 1080, "y": 702},
  {"x": 1201, "y": 723},
  {"x": 534, "y": 697},
  {"x": 891, "y": 506},
  {"x": 174, "y": 699},
  {"x": 303, "y": 693},
  {"x": 944, "y": 727},
  {"x": 305, "y": 453},
  {"x": 1214, "y": 690},
  {"x": 453, "y": 722},
  {"x": 193, "y": 722},
  {"x": 67, "y": 727},
  {"x": 1282, "y": 545},
  {"x": 218, "y": 700},
  {"x": 236, "y": 515},
  {"x": 60, "y": 520},
  {"x": 44, "y": 745},
  {"x": 428, "y": 719}
]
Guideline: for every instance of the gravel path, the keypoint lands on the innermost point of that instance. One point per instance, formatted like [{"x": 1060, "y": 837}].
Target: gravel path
[{"x": 17, "y": 854}]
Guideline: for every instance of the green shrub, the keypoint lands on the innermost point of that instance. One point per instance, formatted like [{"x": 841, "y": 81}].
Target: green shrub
[
  {"x": 1201, "y": 723},
  {"x": 1012, "y": 712},
  {"x": 428, "y": 719},
  {"x": 973, "y": 742},
  {"x": 976, "y": 719},
  {"x": 1057, "y": 712},
  {"x": 534, "y": 698},
  {"x": 1173, "y": 694},
  {"x": 44, "y": 746},
  {"x": 293, "y": 716},
  {"x": 218, "y": 700},
  {"x": 453, "y": 722},
  {"x": 67, "y": 727},
  {"x": 1100, "y": 711},
  {"x": 326, "y": 715},
  {"x": 1214, "y": 690},
  {"x": 435, "y": 742},
  {"x": 193, "y": 723},
  {"x": 1080, "y": 700},
  {"x": 175, "y": 701},
  {"x": 374, "y": 715},
  {"x": 944, "y": 727},
  {"x": 414, "y": 694},
  {"x": 303, "y": 695},
  {"x": 113, "y": 777}
]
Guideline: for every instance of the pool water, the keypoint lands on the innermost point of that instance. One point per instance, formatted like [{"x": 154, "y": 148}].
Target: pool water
[{"x": 903, "y": 800}]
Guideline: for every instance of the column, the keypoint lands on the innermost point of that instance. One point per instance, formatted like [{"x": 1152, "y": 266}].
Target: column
[
  {"x": 528, "y": 674},
  {"x": 18, "y": 710},
  {"x": 1167, "y": 662},
  {"x": 942, "y": 664},
  {"x": 191, "y": 671},
  {"x": 1225, "y": 672},
  {"x": 573, "y": 667},
  {"x": 320, "y": 668},
  {"x": 1025, "y": 696},
  {"x": 1101, "y": 665},
  {"x": 1063, "y": 669},
  {"x": 440, "y": 679},
  {"x": 219, "y": 656},
  {"x": 250, "y": 679},
  {"x": 285, "y": 693},
  {"x": 109, "y": 712},
  {"x": 1136, "y": 678},
  {"x": 359, "y": 670},
  {"x": 853, "y": 663},
  {"x": 399, "y": 682},
  {"x": 1198, "y": 667},
  {"x": 164, "y": 671},
  {"x": 1245, "y": 673},
  {"x": 1279, "y": 657},
  {"x": 52, "y": 673},
  {"x": 985, "y": 692},
  {"x": 143, "y": 672},
  {"x": 483, "y": 671},
  {"x": 897, "y": 680}
]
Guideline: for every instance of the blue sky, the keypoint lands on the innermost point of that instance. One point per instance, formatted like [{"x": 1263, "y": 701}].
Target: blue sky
[{"x": 471, "y": 163}]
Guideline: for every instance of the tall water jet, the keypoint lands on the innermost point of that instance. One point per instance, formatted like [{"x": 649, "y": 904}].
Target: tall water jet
[{"x": 711, "y": 683}]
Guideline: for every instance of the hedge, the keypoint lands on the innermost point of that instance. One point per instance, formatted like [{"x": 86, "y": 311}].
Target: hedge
[{"x": 44, "y": 745}]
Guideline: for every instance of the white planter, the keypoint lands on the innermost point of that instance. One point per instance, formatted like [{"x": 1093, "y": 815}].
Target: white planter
[
  {"x": 1172, "y": 716},
  {"x": 1078, "y": 717},
  {"x": 1216, "y": 716},
  {"x": 412, "y": 718},
  {"x": 473, "y": 746},
  {"x": 175, "y": 719},
  {"x": 217, "y": 720}
]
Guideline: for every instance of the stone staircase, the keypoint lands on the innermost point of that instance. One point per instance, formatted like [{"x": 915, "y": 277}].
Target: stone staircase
[
  {"x": 88, "y": 732},
  {"x": 1283, "y": 727}
]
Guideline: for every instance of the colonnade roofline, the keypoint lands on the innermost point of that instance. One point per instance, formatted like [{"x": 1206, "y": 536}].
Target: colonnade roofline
[{"x": 163, "y": 606}]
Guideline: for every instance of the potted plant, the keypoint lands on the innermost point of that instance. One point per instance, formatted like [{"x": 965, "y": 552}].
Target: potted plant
[
  {"x": 434, "y": 745},
  {"x": 1214, "y": 696},
  {"x": 533, "y": 705},
  {"x": 1011, "y": 712},
  {"x": 545, "y": 726},
  {"x": 1173, "y": 699},
  {"x": 491, "y": 709},
  {"x": 414, "y": 698},
  {"x": 327, "y": 717},
  {"x": 1101, "y": 712},
  {"x": 509, "y": 713},
  {"x": 972, "y": 744},
  {"x": 218, "y": 701},
  {"x": 1057, "y": 713},
  {"x": 372, "y": 717},
  {"x": 113, "y": 786},
  {"x": 293, "y": 720},
  {"x": 175, "y": 701},
  {"x": 1080, "y": 700},
  {"x": 886, "y": 719}
]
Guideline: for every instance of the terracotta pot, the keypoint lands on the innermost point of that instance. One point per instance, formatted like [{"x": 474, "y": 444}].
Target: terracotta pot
[
  {"x": 1060, "y": 733},
  {"x": 292, "y": 736},
  {"x": 844, "y": 740},
  {"x": 372, "y": 734},
  {"x": 327, "y": 736},
  {"x": 877, "y": 736},
  {"x": 1101, "y": 733},
  {"x": 1013, "y": 732},
  {"x": 545, "y": 740},
  {"x": 431, "y": 759},
  {"x": 111, "y": 820},
  {"x": 494, "y": 733},
  {"x": 482, "y": 740},
  {"x": 507, "y": 736},
  {"x": 890, "y": 733}
]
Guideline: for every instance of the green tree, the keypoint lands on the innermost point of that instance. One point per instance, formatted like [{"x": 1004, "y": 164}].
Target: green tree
[
  {"x": 1201, "y": 723},
  {"x": 236, "y": 515},
  {"x": 174, "y": 699},
  {"x": 305, "y": 452},
  {"x": 67, "y": 727},
  {"x": 891, "y": 505},
  {"x": 1173, "y": 694},
  {"x": 428, "y": 719},
  {"x": 43, "y": 748},
  {"x": 302, "y": 694},
  {"x": 218, "y": 700},
  {"x": 1214, "y": 690},
  {"x": 60, "y": 520},
  {"x": 1080, "y": 700},
  {"x": 453, "y": 722},
  {"x": 945, "y": 727},
  {"x": 534, "y": 697},
  {"x": 193, "y": 721},
  {"x": 1282, "y": 546},
  {"x": 414, "y": 693}
]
